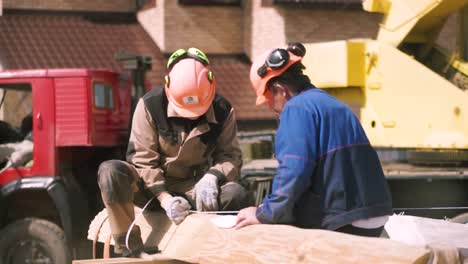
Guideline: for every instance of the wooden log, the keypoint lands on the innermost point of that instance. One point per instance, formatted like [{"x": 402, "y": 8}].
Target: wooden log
[
  {"x": 198, "y": 240},
  {"x": 161, "y": 260}
]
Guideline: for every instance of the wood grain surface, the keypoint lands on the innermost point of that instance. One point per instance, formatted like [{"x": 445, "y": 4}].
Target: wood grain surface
[{"x": 198, "y": 240}]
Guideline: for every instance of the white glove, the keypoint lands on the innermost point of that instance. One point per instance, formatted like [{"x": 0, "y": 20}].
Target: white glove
[
  {"x": 6, "y": 150},
  {"x": 205, "y": 193},
  {"x": 23, "y": 152},
  {"x": 18, "y": 153},
  {"x": 177, "y": 208}
]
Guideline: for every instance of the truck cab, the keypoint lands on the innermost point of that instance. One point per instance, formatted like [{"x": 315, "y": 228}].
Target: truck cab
[{"x": 80, "y": 117}]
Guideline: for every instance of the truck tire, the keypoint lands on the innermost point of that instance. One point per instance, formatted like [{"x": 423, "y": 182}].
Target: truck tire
[
  {"x": 461, "y": 218},
  {"x": 33, "y": 240}
]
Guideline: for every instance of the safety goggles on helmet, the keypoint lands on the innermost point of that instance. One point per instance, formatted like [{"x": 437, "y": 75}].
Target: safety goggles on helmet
[
  {"x": 271, "y": 64},
  {"x": 279, "y": 58},
  {"x": 193, "y": 53},
  {"x": 189, "y": 83}
]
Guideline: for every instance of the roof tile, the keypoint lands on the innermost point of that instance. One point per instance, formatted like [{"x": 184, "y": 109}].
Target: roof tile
[
  {"x": 232, "y": 81},
  {"x": 57, "y": 40}
]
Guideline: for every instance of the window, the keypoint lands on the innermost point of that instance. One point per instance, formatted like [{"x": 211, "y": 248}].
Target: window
[
  {"x": 320, "y": 3},
  {"x": 211, "y": 2},
  {"x": 103, "y": 96},
  {"x": 15, "y": 102}
]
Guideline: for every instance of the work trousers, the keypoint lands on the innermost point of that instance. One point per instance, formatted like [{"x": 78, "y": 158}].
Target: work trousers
[
  {"x": 349, "y": 229},
  {"x": 122, "y": 188}
]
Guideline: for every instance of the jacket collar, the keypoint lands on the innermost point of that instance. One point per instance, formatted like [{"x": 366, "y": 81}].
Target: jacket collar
[{"x": 210, "y": 116}]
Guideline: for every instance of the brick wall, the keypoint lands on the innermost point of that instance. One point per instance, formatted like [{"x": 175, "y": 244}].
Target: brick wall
[
  {"x": 318, "y": 25},
  {"x": 75, "y": 5},
  {"x": 251, "y": 28},
  {"x": 213, "y": 29},
  {"x": 267, "y": 27},
  {"x": 273, "y": 25},
  {"x": 152, "y": 20},
  {"x": 247, "y": 26}
]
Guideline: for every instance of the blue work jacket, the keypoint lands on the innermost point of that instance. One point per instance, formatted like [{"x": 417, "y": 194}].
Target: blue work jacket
[{"x": 328, "y": 174}]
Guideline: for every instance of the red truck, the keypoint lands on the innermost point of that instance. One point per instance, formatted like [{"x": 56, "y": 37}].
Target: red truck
[{"x": 80, "y": 117}]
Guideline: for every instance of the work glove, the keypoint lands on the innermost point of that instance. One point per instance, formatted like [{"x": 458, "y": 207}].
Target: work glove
[
  {"x": 20, "y": 153},
  {"x": 23, "y": 152},
  {"x": 205, "y": 193},
  {"x": 6, "y": 150},
  {"x": 177, "y": 208}
]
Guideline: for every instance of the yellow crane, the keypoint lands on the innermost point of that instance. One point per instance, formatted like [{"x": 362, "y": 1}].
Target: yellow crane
[
  {"x": 411, "y": 97},
  {"x": 390, "y": 85}
]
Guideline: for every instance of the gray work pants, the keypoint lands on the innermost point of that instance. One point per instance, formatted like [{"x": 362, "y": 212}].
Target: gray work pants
[{"x": 121, "y": 188}]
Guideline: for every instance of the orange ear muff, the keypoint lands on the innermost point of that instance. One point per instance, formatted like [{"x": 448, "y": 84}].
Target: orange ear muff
[{"x": 167, "y": 80}]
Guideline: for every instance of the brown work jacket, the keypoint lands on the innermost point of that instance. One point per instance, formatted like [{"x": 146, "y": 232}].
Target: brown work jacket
[{"x": 163, "y": 166}]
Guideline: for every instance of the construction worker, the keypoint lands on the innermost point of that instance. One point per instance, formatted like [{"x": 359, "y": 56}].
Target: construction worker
[
  {"x": 329, "y": 176},
  {"x": 182, "y": 150}
]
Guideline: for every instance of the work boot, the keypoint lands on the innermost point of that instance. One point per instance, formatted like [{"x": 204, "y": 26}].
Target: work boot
[
  {"x": 136, "y": 248},
  {"x": 134, "y": 241}
]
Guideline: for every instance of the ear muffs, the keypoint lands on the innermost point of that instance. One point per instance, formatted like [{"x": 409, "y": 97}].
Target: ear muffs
[
  {"x": 210, "y": 76},
  {"x": 167, "y": 80}
]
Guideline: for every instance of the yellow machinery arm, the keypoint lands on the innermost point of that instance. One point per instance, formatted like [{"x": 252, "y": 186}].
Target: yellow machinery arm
[
  {"x": 400, "y": 101},
  {"x": 412, "y": 21}
]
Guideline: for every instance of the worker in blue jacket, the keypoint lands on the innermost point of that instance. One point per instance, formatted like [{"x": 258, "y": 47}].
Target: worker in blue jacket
[{"x": 329, "y": 176}]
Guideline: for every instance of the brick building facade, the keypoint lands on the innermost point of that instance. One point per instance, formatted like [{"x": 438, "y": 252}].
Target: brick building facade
[
  {"x": 252, "y": 26},
  {"x": 232, "y": 32},
  {"x": 40, "y": 34},
  {"x": 214, "y": 29}
]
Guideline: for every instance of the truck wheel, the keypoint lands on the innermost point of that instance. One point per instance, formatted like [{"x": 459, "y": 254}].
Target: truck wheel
[
  {"x": 33, "y": 240},
  {"x": 461, "y": 218}
]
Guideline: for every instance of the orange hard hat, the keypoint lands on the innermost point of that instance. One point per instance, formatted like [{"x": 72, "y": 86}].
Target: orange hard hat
[
  {"x": 273, "y": 63},
  {"x": 190, "y": 85}
]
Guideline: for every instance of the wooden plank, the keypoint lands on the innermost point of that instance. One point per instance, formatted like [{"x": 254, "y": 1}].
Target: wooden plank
[
  {"x": 161, "y": 260},
  {"x": 198, "y": 240}
]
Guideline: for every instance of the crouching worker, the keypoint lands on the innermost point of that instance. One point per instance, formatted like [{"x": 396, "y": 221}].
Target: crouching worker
[
  {"x": 329, "y": 176},
  {"x": 182, "y": 150}
]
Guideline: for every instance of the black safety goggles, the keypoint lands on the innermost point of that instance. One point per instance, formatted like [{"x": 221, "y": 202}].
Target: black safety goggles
[{"x": 279, "y": 58}]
